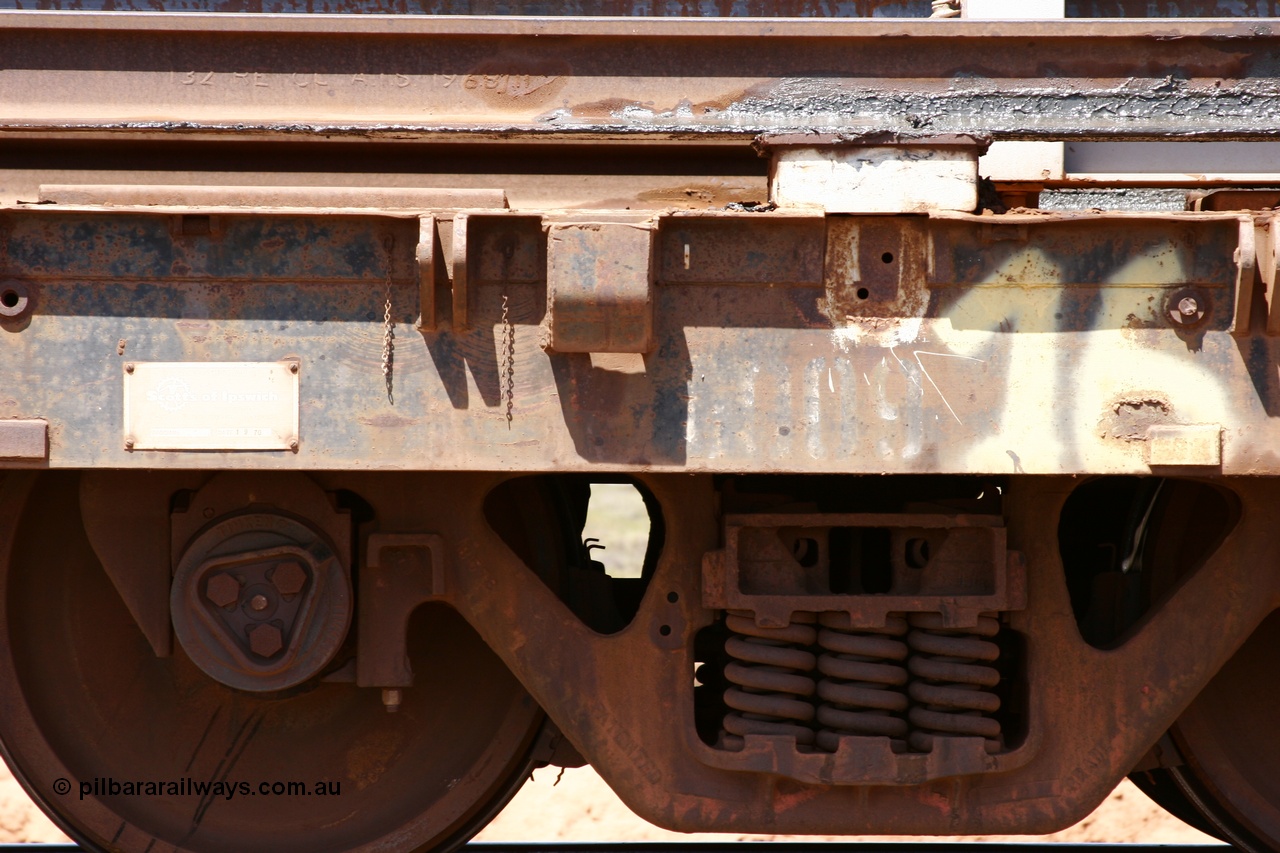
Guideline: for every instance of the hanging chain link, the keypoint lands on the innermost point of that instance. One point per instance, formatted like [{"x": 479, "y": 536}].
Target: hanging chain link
[
  {"x": 388, "y": 329},
  {"x": 508, "y": 359}
]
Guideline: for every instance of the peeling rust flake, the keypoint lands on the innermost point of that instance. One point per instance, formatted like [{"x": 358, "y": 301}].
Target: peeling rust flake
[{"x": 1129, "y": 418}]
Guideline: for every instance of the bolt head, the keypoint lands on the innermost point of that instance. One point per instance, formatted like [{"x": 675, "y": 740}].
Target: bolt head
[
  {"x": 265, "y": 640},
  {"x": 258, "y": 603},
  {"x": 128, "y": 368},
  {"x": 293, "y": 368},
  {"x": 1188, "y": 307},
  {"x": 289, "y": 577},
  {"x": 222, "y": 589}
]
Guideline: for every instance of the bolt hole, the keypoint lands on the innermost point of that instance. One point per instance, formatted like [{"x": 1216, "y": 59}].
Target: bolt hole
[
  {"x": 917, "y": 553},
  {"x": 665, "y": 630},
  {"x": 863, "y": 293},
  {"x": 887, "y": 257},
  {"x": 673, "y": 597},
  {"x": 805, "y": 550},
  {"x": 9, "y": 299}
]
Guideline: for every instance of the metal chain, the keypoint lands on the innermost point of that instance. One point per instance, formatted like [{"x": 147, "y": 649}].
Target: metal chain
[
  {"x": 508, "y": 359},
  {"x": 388, "y": 332}
]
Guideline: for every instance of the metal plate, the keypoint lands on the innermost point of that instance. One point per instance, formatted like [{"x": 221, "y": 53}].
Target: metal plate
[{"x": 234, "y": 405}]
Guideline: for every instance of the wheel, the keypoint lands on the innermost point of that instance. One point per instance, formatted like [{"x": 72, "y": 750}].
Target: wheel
[
  {"x": 1230, "y": 744},
  {"x": 1226, "y": 784},
  {"x": 119, "y": 746}
]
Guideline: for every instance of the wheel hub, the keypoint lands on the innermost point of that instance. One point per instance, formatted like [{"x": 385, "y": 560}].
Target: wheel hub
[{"x": 260, "y": 601}]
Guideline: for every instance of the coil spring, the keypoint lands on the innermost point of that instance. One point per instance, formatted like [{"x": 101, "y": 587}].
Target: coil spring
[
  {"x": 864, "y": 691},
  {"x": 951, "y": 683},
  {"x": 771, "y": 684}
]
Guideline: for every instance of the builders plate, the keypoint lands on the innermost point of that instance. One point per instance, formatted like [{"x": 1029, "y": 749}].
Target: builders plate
[{"x": 232, "y": 405}]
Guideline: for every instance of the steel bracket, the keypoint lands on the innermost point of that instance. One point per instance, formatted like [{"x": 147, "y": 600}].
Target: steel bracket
[
  {"x": 600, "y": 287},
  {"x": 401, "y": 571}
]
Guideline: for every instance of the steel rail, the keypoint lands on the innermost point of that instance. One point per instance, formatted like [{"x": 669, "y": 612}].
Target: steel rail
[
  {"x": 775, "y": 847},
  {"x": 825, "y": 29},
  {"x": 860, "y": 846},
  {"x": 262, "y": 75}
]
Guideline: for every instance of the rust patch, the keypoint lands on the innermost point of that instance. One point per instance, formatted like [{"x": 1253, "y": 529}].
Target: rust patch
[
  {"x": 388, "y": 420},
  {"x": 1129, "y": 418},
  {"x": 371, "y": 756},
  {"x": 684, "y": 193},
  {"x": 606, "y": 107}
]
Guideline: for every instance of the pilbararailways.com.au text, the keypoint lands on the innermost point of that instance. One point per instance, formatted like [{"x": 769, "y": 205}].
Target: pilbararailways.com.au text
[{"x": 108, "y": 786}]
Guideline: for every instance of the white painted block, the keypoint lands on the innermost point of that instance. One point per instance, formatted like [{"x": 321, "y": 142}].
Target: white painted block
[
  {"x": 1029, "y": 162},
  {"x": 876, "y": 179},
  {"x": 1014, "y": 9}
]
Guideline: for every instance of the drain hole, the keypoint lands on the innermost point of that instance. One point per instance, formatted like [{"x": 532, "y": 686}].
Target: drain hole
[
  {"x": 917, "y": 555},
  {"x": 805, "y": 550}
]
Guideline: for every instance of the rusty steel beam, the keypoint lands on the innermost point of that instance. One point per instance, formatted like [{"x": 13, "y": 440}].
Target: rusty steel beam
[
  {"x": 257, "y": 76},
  {"x": 648, "y": 8},
  {"x": 1068, "y": 343},
  {"x": 268, "y": 197}
]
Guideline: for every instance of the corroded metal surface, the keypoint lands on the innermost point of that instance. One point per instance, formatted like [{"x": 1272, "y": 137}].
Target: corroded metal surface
[
  {"x": 600, "y": 287},
  {"x": 649, "y": 8},
  {"x": 643, "y": 307},
  {"x": 417, "y": 76},
  {"x": 82, "y": 696},
  {"x": 782, "y": 342},
  {"x": 861, "y": 578},
  {"x": 635, "y": 723}
]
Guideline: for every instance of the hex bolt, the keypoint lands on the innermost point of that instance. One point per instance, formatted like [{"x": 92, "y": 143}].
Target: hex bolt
[
  {"x": 265, "y": 640},
  {"x": 222, "y": 589},
  {"x": 1188, "y": 306},
  {"x": 289, "y": 577},
  {"x": 258, "y": 603},
  {"x": 391, "y": 697}
]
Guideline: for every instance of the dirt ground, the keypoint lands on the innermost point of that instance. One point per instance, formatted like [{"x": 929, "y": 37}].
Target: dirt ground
[{"x": 582, "y": 808}]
